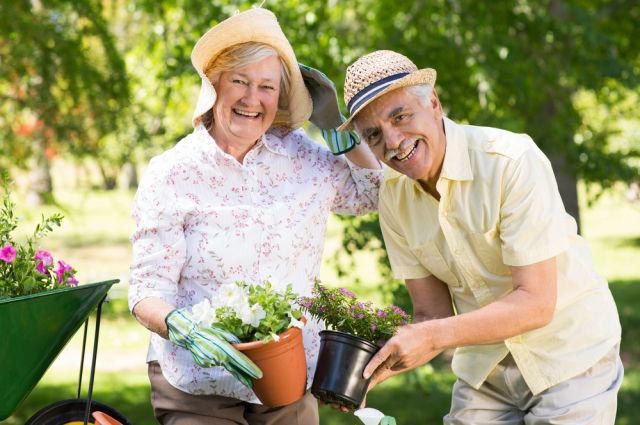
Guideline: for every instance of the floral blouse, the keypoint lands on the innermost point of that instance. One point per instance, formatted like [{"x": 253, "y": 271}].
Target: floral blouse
[{"x": 203, "y": 219}]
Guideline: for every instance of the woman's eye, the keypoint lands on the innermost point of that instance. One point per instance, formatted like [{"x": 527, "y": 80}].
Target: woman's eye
[
  {"x": 236, "y": 81},
  {"x": 268, "y": 87}
]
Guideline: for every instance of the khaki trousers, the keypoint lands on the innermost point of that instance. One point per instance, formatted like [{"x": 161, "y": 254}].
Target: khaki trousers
[
  {"x": 504, "y": 398},
  {"x": 174, "y": 407}
]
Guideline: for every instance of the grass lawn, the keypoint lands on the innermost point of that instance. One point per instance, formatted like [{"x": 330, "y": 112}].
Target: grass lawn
[{"x": 94, "y": 239}]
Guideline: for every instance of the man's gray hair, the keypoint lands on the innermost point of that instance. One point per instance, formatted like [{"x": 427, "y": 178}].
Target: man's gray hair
[{"x": 422, "y": 92}]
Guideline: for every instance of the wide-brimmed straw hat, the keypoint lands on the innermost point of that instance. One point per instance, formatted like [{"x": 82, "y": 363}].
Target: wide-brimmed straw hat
[
  {"x": 254, "y": 25},
  {"x": 378, "y": 73}
]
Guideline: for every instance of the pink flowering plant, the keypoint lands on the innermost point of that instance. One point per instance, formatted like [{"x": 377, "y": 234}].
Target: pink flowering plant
[
  {"x": 341, "y": 311},
  {"x": 251, "y": 312},
  {"x": 25, "y": 269}
]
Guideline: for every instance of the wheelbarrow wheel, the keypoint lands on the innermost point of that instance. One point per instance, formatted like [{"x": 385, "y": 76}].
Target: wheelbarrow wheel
[{"x": 67, "y": 412}]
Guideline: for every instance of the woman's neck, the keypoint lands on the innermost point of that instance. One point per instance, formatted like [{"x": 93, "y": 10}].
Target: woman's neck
[{"x": 235, "y": 149}]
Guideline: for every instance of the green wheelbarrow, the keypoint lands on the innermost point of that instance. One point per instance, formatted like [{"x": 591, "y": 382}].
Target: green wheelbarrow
[{"x": 35, "y": 329}]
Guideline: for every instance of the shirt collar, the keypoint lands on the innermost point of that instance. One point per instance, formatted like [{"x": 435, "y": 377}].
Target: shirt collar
[
  {"x": 271, "y": 140},
  {"x": 456, "y": 165}
]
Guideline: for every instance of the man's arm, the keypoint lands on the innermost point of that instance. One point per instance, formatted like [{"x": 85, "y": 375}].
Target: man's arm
[{"x": 530, "y": 305}]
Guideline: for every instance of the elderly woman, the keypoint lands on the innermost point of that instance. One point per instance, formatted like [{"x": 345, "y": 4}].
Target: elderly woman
[{"x": 245, "y": 196}]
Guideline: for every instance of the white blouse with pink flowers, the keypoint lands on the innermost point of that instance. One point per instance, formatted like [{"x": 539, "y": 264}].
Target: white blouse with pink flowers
[{"x": 203, "y": 219}]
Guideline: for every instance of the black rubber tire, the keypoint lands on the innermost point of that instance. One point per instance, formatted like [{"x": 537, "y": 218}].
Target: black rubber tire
[{"x": 72, "y": 410}]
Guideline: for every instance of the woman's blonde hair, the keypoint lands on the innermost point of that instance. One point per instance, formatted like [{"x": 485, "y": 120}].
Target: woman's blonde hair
[{"x": 239, "y": 56}]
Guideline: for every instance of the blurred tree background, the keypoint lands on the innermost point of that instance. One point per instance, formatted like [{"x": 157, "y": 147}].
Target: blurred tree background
[{"x": 108, "y": 84}]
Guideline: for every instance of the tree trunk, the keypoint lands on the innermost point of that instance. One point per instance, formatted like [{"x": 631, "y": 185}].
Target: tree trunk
[
  {"x": 567, "y": 185},
  {"x": 40, "y": 183},
  {"x": 129, "y": 176}
]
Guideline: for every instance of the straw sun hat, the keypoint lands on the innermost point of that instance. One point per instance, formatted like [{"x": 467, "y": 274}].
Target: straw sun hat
[
  {"x": 378, "y": 73},
  {"x": 257, "y": 25}
]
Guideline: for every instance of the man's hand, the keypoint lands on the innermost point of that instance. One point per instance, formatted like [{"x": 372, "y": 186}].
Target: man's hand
[
  {"x": 411, "y": 347},
  {"x": 210, "y": 346},
  {"x": 326, "y": 112}
]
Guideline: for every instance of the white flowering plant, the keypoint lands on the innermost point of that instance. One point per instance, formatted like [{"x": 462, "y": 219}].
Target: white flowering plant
[{"x": 251, "y": 312}]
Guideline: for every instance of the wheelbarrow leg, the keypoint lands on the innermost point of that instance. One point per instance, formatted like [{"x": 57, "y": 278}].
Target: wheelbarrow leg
[
  {"x": 87, "y": 412},
  {"x": 84, "y": 345}
]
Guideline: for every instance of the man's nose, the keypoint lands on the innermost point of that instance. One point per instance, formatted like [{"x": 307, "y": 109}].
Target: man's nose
[{"x": 392, "y": 137}]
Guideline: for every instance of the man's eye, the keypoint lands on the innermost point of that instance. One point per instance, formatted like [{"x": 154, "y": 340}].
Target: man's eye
[
  {"x": 372, "y": 138},
  {"x": 401, "y": 117}
]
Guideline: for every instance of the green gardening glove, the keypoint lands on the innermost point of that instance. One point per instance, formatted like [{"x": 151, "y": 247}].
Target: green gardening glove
[
  {"x": 326, "y": 112},
  {"x": 210, "y": 346}
]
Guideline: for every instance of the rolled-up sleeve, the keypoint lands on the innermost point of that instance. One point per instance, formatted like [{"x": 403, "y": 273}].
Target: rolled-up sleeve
[
  {"x": 356, "y": 188},
  {"x": 532, "y": 218},
  {"x": 159, "y": 247}
]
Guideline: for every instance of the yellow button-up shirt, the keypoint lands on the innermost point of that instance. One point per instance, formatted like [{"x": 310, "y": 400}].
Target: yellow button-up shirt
[{"x": 500, "y": 207}]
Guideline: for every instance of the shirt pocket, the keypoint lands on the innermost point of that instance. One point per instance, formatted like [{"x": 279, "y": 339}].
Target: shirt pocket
[
  {"x": 430, "y": 257},
  {"x": 487, "y": 247}
]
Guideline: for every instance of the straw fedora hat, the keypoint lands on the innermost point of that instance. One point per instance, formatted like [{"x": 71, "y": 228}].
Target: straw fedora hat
[
  {"x": 378, "y": 73},
  {"x": 257, "y": 25}
]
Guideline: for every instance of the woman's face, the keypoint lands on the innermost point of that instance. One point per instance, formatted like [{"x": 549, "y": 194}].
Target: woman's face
[{"x": 246, "y": 105}]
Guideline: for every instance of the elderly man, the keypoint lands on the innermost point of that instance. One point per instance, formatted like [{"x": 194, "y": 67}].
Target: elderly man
[{"x": 473, "y": 222}]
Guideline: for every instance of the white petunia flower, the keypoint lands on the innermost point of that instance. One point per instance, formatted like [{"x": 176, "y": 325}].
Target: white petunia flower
[
  {"x": 203, "y": 313},
  {"x": 232, "y": 296},
  {"x": 252, "y": 315},
  {"x": 295, "y": 323}
]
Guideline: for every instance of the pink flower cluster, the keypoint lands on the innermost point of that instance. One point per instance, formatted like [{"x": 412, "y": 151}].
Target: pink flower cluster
[
  {"x": 8, "y": 253},
  {"x": 341, "y": 311},
  {"x": 64, "y": 272}
]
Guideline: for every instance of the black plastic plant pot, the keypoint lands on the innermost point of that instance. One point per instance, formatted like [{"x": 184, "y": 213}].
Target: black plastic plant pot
[{"x": 341, "y": 361}]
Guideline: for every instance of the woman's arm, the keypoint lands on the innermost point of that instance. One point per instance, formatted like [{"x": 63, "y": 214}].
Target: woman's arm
[
  {"x": 362, "y": 156},
  {"x": 151, "y": 313}
]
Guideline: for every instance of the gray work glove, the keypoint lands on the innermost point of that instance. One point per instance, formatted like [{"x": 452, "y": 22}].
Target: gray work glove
[
  {"x": 210, "y": 346},
  {"x": 326, "y": 112}
]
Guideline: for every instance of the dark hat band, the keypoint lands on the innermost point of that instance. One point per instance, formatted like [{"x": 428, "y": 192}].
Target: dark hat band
[{"x": 371, "y": 90}]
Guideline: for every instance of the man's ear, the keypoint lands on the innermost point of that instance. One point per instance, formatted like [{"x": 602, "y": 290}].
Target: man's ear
[{"x": 435, "y": 102}]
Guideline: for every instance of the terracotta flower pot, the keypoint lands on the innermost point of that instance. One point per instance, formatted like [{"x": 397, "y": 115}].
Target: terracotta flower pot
[
  {"x": 284, "y": 368},
  {"x": 341, "y": 362}
]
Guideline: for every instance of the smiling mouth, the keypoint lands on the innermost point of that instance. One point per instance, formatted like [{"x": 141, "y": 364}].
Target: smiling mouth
[
  {"x": 406, "y": 154},
  {"x": 246, "y": 114}
]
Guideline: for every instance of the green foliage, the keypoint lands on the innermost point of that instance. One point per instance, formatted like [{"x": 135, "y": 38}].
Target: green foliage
[
  {"x": 23, "y": 269},
  {"x": 64, "y": 82},
  {"x": 339, "y": 309}
]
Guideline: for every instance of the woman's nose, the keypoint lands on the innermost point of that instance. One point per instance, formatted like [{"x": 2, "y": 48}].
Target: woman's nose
[{"x": 251, "y": 96}]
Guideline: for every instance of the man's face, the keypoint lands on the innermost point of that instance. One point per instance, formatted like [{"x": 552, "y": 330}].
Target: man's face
[{"x": 404, "y": 133}]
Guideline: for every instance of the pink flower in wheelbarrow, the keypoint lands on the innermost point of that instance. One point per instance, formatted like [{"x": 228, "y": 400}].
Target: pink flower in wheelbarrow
[
  {"x": 8, "y": 253},
  {"x": 66, "y": 273},
  {"x": 45, "y": 260}
]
